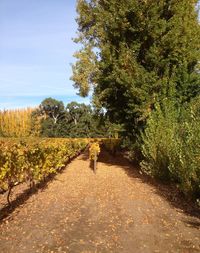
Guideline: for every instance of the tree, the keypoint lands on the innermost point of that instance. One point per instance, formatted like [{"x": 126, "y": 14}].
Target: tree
[
  {"x": 53, "y": 118},
  {"x": 80, "y": 119},
  {"x": 76, "y": 120},
  {"x": 135, "y": 53},
  {"x": 52, "y": 108}
]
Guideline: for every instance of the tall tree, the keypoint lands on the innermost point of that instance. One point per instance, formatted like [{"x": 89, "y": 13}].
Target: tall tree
[{"x": 135, "y": 52}]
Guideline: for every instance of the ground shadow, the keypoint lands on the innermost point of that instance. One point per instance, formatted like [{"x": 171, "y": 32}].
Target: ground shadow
[
  {"x": 191, "y": 223},
  {"x": 85, "y": 157},
  {"x": 92, "y": 166},
  {"x": 24, "y": 195},
  {"x": 168, "y": 192}
]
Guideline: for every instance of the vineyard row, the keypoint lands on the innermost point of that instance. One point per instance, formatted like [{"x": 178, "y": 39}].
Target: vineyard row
[{"x": 31, "y": 160}]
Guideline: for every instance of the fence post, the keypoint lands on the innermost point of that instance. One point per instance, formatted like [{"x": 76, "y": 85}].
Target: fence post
[{"x": 95, "y": 161}]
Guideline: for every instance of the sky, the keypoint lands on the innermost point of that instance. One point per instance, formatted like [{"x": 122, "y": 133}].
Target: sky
[{"x": 36, "y": 52}]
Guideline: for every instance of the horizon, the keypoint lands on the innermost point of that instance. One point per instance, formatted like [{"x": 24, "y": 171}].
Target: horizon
[{"x": 25, "y": 102}]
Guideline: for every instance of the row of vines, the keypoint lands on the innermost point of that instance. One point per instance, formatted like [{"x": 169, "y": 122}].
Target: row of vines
[
  {"x": 32, "y": 160},
  {"x": 110, "y": 144}
]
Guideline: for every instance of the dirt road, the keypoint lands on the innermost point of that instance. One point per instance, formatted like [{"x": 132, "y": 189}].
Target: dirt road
[{"x": 115, "y": 210}]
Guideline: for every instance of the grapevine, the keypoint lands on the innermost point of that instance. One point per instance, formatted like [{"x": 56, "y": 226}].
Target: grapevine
[{"x": 32, "y": 160}]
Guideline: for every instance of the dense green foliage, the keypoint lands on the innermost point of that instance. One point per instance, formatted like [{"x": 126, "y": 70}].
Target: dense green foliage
[
  {"x": 74, "y": 120},
  {"x": 171, "y": 145},
  {"x": 135, "y": 53}
]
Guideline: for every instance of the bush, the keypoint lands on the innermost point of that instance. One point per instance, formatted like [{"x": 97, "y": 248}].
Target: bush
[{"x": 171, "y": 145}]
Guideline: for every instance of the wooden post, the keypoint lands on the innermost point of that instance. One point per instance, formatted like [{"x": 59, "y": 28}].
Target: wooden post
[
  {"x": 95, "y": 162},
  {"x": 8, "y": 194}
]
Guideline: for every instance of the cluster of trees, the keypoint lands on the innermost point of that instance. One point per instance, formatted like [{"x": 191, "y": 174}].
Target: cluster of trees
[
  {"x": 53, "y": 119},
  {"x": 74, "y": 120},
  {"x": 141, "y": 60}
]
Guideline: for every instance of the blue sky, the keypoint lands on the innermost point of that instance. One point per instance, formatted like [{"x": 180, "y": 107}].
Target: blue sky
[{"x": 36, "y": 50}]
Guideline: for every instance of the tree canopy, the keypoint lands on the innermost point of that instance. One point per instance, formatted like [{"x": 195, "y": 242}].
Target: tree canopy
[
  {"x": 53, "y": 119},
  {"x": 135, "y": 53}
]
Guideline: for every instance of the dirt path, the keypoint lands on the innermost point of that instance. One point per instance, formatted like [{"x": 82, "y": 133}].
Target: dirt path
[{"x": 114, "y": 210}]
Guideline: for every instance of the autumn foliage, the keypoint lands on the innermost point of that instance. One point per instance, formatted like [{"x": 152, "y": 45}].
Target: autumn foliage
[
  {"x": 32, "y": 160},
  {"x": 15, "y": 123}
]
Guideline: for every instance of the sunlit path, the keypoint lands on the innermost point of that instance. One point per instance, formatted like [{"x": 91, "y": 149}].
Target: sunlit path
[{"x": 113, "y": 210}]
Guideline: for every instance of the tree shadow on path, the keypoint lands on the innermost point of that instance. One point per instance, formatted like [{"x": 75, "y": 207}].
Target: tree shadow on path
[
  {"x": 85, "y": 157},
  {"x": 23, "y": 196},
  {"x": 166, "y": 191},
  {"x": 27, "y": 192}
]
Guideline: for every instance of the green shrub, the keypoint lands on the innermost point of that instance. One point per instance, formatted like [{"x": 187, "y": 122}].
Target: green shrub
[
  {"x": 185, "y": 161},
  {"x": 171, "y": 145}
]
